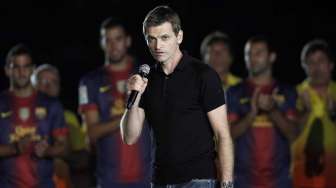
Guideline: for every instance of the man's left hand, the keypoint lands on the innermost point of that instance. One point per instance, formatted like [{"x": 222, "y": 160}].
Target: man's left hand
[{"x": 41, "y": 148}]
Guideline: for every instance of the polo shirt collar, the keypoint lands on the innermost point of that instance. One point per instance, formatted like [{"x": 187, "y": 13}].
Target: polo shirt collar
[{"x": 183, "y": 62}]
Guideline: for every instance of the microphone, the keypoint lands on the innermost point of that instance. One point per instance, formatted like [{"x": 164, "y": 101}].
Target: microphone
[{"x": 143, "y": 72}]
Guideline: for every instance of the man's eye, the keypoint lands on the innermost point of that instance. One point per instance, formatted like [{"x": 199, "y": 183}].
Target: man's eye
[
  {"x": 149, "y": 39},
  {"x": 165, "y": 38}
]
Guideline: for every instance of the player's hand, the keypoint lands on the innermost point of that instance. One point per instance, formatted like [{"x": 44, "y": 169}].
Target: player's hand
[
  {"x": 41, "y": 148},
  {"x": 24, "y": 144},
  {"x": 266, "y": 102},
  {"x": 254, "y": 102}
]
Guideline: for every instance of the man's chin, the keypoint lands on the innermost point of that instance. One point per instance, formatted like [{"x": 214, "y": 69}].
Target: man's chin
[
  {"x": 256, "y": 72},
  {"x": 318, "y": 81},
  {"x": 115, "y": 61},
  {"x": 21, "y": 85},
  {"x": 259, "y": 71},
  {"x": 160, "y": 59}
]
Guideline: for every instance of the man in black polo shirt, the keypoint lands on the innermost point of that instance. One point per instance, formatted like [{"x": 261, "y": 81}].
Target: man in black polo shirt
[{"x": 184, "y": 104}]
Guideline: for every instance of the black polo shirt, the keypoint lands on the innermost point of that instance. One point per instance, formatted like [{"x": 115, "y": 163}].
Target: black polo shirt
[{"x": 176, "y": 107}]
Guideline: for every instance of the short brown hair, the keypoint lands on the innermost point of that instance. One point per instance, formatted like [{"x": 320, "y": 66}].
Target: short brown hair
[
  {"x": 261, "y": 39},
  {"x": 313, "y": 46},
  {"x": 112, "y": 22},
  {"x": 215, "y": 37},
  {"x": 160, "y": 15},
  {"x": 19, "y": 49}
]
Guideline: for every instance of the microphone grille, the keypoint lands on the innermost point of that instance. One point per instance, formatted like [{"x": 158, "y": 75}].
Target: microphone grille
[{"x": 144, "y": 69}]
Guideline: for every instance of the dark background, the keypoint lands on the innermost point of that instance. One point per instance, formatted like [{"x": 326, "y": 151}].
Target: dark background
[{"x": 66, "y": 33}]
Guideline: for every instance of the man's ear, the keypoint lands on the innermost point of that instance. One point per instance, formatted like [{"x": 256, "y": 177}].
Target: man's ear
[
  {"x": 180, "y": 37},
  {"x": 102, "y": 43},
  {"x": 128, "y": 41},
  {"x": 7, "y": 71},
  {"x": 273, "y": 57}
]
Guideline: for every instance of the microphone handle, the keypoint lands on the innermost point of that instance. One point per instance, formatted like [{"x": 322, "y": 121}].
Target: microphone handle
[{"x": 131, "y": 99}]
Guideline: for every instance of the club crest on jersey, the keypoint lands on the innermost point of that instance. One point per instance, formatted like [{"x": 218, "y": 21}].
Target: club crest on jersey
[
  {"x": 40, "y": 112},
  {"x": 24, "y": 113}
]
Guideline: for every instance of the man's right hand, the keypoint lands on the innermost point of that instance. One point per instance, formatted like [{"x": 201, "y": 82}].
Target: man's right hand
[
  {"x": 23, "y": 144},
  {"x": 254, "y": 102},
  {"x": 137, "y": 83}
]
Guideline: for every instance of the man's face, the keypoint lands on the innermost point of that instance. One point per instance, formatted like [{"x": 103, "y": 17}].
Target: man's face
[
  {"x": 163, "y": 42},
  {"x": 219, "y": 57},
  {"x": 19, "y": 71},
  {"x": 319, "y": 68},
  {"x": 258, "y": 58},
  {"x": 115, "y": 43},
  {"x": 49, "y": 83}
]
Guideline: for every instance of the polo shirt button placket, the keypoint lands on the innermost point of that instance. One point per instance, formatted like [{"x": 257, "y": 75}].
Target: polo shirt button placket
[{"x": 165, "y": 86}]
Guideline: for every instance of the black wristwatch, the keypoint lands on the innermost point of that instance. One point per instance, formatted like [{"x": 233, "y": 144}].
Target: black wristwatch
[{"x": 226, "y": 184}]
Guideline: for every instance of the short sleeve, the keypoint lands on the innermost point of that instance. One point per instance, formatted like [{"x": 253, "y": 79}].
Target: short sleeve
[
  {"x": 289, "y": 106},
  {"x": 212, "y": 92},
  {"x": 59, "y": 127},
  {"x": 86, "y": 95},
  {"x": 233, "y": 104}
]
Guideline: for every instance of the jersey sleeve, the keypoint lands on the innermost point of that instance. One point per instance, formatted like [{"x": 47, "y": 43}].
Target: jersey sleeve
[
  {"x": 58, "y": 125},
  {"x": 87, "y": 95},
  {"x": 289, "y": 102},
  {"x": 233, "y": 104}
]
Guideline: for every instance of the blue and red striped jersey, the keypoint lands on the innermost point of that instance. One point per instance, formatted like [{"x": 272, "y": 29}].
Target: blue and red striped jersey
[
  {"x": 104, "y": 90},
  {"x": 262, "y": 153},
  {"x": 37, "y": 115}
]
